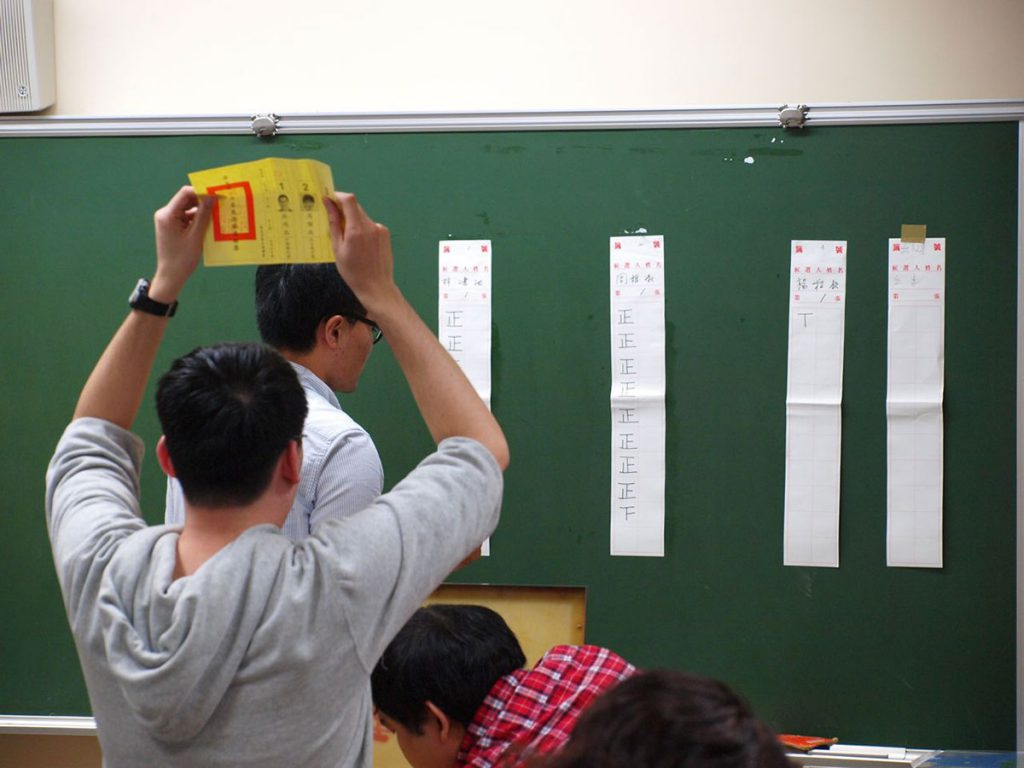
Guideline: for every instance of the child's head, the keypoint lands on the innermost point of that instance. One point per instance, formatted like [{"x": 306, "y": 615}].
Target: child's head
[
  {"x": 668, "y": 719},
  {"x": 436, "y": 673}
]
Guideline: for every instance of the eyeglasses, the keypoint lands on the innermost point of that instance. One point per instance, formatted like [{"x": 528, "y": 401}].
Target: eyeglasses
[{"x": 375, "y": 330}]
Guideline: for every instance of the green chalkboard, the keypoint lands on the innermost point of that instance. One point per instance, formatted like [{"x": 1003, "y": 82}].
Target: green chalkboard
[{"x": 864, "y": 652}]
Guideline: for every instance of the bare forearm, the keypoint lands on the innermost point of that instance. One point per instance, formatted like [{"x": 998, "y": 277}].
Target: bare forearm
[
  {"x": 447, "y": 401},
  {"x": 445, "y": 397},
  {"x": 116, "y": 386}
]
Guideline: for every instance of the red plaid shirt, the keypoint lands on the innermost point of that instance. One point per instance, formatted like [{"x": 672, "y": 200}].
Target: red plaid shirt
[{"x": 531, "y": 712}]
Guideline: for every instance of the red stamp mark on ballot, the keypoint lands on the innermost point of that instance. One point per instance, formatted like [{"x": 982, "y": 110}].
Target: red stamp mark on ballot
[{"x": 229, "y": 223}]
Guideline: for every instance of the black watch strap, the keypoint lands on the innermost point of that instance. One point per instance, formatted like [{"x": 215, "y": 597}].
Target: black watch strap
[{"x": 140, "y": 300}]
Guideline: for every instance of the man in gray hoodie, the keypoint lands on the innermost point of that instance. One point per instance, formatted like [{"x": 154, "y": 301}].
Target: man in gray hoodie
[{"x": 223, "y": 643}]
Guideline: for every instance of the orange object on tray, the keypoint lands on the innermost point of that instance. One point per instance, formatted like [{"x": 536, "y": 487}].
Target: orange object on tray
[{"x": 805, "y": 743}]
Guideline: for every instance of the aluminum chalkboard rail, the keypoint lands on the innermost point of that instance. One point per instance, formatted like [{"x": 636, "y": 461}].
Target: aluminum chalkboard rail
[{"x": 884, "y": 113}]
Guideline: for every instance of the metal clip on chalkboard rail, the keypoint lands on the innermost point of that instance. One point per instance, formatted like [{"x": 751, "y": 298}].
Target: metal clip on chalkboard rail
[
  {"x": 793, "y": 117},
  {"x": 854, "y": 756},
  {"x": 265, "y": 125}
]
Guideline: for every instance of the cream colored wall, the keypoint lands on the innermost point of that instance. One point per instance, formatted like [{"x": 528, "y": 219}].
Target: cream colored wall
[{"x": 197, "y": 57}]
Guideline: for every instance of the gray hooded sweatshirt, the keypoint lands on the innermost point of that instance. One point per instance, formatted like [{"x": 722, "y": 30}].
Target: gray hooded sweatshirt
[{"x": 262, "y": 657}]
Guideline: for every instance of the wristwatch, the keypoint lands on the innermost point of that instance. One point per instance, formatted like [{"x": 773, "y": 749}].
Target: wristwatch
[{"x": 140, "y": 300}]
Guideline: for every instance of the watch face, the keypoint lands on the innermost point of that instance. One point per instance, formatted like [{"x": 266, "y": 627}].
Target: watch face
[
  {"x": 138, "y": 292},
  {"x": 140, "y": 300}
]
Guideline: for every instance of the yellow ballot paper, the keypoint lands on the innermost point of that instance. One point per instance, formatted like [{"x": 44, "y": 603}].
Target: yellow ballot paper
[{"x": 269, "y": 211}]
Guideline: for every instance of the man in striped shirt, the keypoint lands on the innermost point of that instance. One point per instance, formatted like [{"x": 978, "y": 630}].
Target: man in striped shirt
[{"x": 452, "y": 688}]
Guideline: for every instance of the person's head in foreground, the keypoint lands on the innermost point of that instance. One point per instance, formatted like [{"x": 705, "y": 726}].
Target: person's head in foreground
[
  {"x": 227, "y": 414},
  {"x": 663, "y": 718},
  {"x": 452, "y": 688}
]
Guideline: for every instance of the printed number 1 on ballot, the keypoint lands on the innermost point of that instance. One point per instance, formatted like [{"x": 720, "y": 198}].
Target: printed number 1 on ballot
[{"x": 269, "y": 211}]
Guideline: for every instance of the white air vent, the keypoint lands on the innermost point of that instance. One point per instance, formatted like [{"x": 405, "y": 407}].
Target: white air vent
[{"x": 26, "y": 55}]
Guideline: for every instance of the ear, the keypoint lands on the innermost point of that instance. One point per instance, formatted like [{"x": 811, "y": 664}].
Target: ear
[
  {"x": 445, "y": 729},
  {"x": 291, "y": 462},
  {"x": 334, "y": 331},
  {"x": 164, "y": 457}
]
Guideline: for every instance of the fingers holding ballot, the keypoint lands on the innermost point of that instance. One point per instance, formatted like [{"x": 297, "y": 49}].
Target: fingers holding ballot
[
  {"x": 362, "y": 251},
  {"x": 180, "y": 226}
]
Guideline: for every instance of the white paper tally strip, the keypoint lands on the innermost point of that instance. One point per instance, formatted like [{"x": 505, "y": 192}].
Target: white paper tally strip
[
  {"x": 464, "y": 311},
  {"x": 814, "y": 395},
  {"x": 638, "y": 395},
  {"x": 917, "y": 300}
]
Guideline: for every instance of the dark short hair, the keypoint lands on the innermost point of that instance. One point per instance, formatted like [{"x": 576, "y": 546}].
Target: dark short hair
[
  {"x": 451, "y": 655},
  {"x": 227, "y": 412},
  {"x": 663, "y": 718},
  {"x": 293, "y": 299}
]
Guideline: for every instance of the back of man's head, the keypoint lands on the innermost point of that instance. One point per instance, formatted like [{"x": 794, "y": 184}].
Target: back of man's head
[
  {"x": 450, "y": 655},
  {"x": 227, "y": 413},
  {"x": 292, "y": 300}
]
